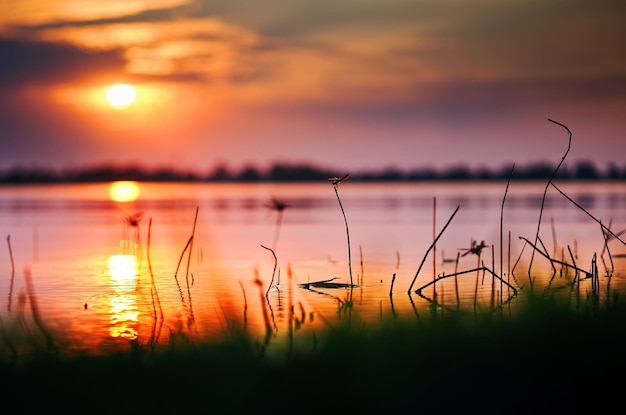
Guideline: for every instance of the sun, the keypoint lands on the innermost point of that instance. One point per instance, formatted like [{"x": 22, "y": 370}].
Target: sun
[{"x": 121, "y": 95}]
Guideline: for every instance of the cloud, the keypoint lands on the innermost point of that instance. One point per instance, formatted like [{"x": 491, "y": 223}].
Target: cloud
[
  {"x": 26, "y": 62},
  {"x": 354, "y": 45},
  {"x": 147, "y": 15}
]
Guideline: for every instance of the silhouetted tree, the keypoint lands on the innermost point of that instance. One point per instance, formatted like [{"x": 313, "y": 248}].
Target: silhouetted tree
[
  {"x": 282, "y": 172},
  {"x": 586, "y": 170},
  {"x": 249, "y": 174},
  {"x": 539, "y": 171},
  {"x": 221, "y": 174},
  {"x": 615, "y": 173},
  {"x": 457, "y": 173},
  {"x": 285, "y": 172},
  {"x": 391, "y": 174},
  {"x": 423, "y": 174}
]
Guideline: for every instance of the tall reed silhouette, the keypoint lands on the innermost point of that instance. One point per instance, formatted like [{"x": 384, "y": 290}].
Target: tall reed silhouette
[
  {"x": 335, "y": 182},
  {"x": 545, "y": 191},
  {"x": 430, "y": 248}
]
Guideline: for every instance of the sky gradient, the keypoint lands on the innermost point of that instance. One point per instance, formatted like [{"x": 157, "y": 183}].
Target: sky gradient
[{"x": 347, "y": 84}]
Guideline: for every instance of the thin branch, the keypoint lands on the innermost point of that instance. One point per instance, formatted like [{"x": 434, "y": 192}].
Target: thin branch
[
  {"x": 482, "y": 268},
  {"x": 506, "y": 190},
  {"x": 193, "y": 232},
  {"x": 606, "y": 248},
  {"x": 608, "y": 230},
  {"x": 431, "y": 246},
  {"x": 273, "y": 272},
  {"x": 554, "y": 260},
  {"x": 335, "y": 182},
  {"x": 543, "y": 200}
]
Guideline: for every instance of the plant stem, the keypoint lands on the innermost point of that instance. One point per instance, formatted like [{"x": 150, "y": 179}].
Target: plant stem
[
  {"x": 347, "y": 231},
  {"x": 430, "y": 248}
]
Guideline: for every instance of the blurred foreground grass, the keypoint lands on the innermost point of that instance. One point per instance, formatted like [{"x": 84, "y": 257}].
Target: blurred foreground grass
[{"x": 549, "y": 355}]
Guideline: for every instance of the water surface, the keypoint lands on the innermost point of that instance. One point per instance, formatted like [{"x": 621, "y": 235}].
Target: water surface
[{"x": 106, "y": 272}]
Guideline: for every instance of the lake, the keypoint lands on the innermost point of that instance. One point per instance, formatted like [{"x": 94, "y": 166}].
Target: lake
[{"x": 191, "y": 261}]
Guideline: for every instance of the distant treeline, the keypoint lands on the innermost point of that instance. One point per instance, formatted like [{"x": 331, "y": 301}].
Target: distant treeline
[{"x": 283, "y": 172}]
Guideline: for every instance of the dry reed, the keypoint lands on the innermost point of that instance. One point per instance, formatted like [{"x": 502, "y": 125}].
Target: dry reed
[
  {"x": 335, "y": 182},
  {"x": 552, "y": 176},
  {"x": 430, "y": 248}
]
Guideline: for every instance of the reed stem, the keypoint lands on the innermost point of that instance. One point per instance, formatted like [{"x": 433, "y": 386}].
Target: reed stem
[
  {"x": 543, "y": 199},
  {"x": 506, "y": 190},
  {"x": 273, "y": 272},
  {"x": 335, "y": 182},
  {"x": 429, "y": 249}
]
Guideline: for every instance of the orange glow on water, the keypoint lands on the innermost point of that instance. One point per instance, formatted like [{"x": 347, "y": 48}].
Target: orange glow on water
[
  {"x": 124, "y": 191},
  {"x": 124, "y": 313}
]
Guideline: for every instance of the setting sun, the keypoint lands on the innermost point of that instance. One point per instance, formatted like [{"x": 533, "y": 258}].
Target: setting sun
[{"x": 121, "y": 95}]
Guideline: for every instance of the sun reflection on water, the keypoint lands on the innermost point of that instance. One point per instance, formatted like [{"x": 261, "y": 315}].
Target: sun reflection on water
[
  {"x": 124, "y": 313},
  {"x": 124, "y": 191}
]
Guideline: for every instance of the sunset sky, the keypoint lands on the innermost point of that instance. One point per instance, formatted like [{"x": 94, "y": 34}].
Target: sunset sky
[{"x": 346, "y": 84}]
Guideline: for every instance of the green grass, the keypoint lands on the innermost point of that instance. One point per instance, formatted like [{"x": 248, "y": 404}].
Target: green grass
[{"x": 550, "y": 354}]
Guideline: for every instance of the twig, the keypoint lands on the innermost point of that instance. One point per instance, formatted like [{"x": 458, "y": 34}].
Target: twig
[
  {"x": 482, "y": 268},
  {"x": 543, "y": 199},
  {"x": 573, "y": 261},
  {"x": 273, "y": 272},
  {"x": 180, "y": 260},
  {"x": 615, "y": 235},
  {"x": 493, "y": 266},
  {"x": 606, "y": 248},
  {"x": 554, "y": 260},
  {"x": 335, "y": 182},
  {"x": 431, "y": 246},
  {"x": 434, "y": 245},
  {"x": 506, "y": 190},
  {"x": 456, "y": 280},
  {"x": 518, "y": 259},
  {"x": 193, "y": 232}
]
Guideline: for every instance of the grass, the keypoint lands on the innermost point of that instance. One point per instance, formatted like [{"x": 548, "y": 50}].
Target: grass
[{"x": 547, "y": 355}]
